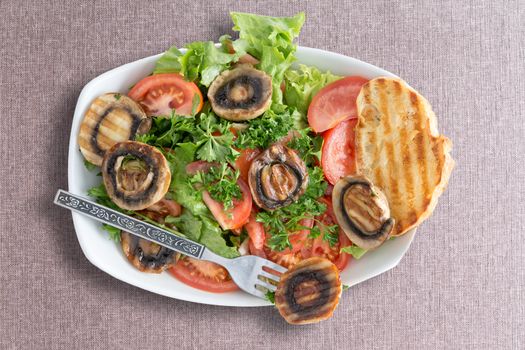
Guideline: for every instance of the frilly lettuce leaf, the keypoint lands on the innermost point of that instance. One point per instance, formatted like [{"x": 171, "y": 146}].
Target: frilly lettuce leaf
[
  {"x": 201, "y": 63},
  {"x": 196, "y": 221},
  {"x": 270, "y": 39},
  {"x": 302, "y": 84}
]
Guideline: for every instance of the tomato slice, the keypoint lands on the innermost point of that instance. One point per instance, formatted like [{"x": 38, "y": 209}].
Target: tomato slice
[
  {"x": 255, "y": 231},
  {"x": 322, "y": 248},
  {"x": 199, "y": 165},
  {"x": 283, "y": 258},
  {"x": 338, "y": 153},
  {"x": 203, "y": 275},
  {"x": 304, "y": 247},
  {"x": 237, "y": 216},
  {"x": 160, "y": 93},
  {"x": 244, "y": 161},
  {"x": 334, "y": 103},
  {"x": 233, "y": 218},
  {"x": 298, "y": 239}
]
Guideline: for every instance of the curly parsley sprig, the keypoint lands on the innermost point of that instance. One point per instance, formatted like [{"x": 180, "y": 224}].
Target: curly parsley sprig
[
  {"x": 221, "y": 183},
  {"x": 281, "y": 222},
  {"x": 211, "y": 135}
]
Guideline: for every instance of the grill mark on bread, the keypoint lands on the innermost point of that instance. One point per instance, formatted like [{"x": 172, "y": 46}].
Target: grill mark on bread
[
  {"x": 399, "y": 99},
  {"x": 420, "y": 145},
  {"x": 373, "y": 139},
  {"x": 390, "y": 152}
]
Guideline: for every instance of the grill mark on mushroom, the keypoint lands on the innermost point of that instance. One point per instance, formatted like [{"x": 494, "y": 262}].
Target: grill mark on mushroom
[
  {"x": 362, "y": 211},
  {"x": 277, "y": 177},
  {"x": 139, "y": 195},
  {"x": 110, "y": 119},
  {"x": 146, "y": 256},
  {"x": 308, "y": 292}
]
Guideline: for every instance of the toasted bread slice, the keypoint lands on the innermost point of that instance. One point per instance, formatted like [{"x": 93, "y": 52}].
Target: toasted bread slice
[{"x": 398, "y": 147}]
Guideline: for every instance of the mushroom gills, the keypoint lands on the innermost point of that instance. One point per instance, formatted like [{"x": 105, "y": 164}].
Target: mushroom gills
[
  {"x": 110, "y": 119},
  {"x": 146, "y": 256},
  {"x": 362, "y": 211},
  {"x": 309, "y": 292},
  {"x": 135, "y": 175},
  {"x": 240, "y": 94},
  {"x": 277, "y": 177}
]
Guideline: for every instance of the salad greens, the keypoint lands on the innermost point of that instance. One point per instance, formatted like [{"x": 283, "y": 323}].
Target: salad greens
[
  {"x": 221, "y": 184},
  {"x": 267, "y": 129},
  {"x": 206, "y": 137},
  {"x": 302, "y": 84},
  {"x": 270, "y": 39}
]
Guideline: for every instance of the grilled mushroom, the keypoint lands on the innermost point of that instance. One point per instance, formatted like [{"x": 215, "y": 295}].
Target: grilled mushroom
[
  {"x": 277, "y": 177},
  {"x": 242, "y": 93},
  {"x": 362, "y": 211},
  {"x": 110, "y": 119},
  {"x": 308, "y": 292},
  {"x": 135, "y": 175},
  {"x": 145, "y": 255}
]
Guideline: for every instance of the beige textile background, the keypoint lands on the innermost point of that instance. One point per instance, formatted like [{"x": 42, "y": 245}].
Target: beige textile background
[{"x": 461, "y": 285}]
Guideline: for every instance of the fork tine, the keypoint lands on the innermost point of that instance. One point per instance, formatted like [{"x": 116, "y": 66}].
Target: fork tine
[
  {"x": 269, "y": 276},
  {"x": 258, "y": 293},
  {"x": 274, "y": 266},
  {"x": 266, "y": 285}
]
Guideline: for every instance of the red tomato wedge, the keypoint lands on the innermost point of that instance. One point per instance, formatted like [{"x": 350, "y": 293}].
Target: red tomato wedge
[
  {"x": 304, "y": 247},
  {"x": 203, "y": 275},
  {"x": 228, "y": 219},
  {"x": 298, "y": 239},
  {"x": 160, "y": 93},
  {"x": 199, "y": 165},
  {"x": 338, "y": 153},
  {"x": 322, "y": 248},
  {"x": 244, "y": 161},
  {"x": 255, "y": 231},
  {"x": 334, "y": 103},
  {"x": 237, "y": 216}
]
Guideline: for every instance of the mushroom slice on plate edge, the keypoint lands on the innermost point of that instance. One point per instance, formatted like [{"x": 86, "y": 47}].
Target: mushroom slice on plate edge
[
  {"x": 362, "y": 211},
  {"x": 308, "y": 292},
  {"x": 145, "y": 255},
  {"x": 111, "y": 118},
  {"x": 277, "y": 177},
  {"x": 135, "y": 175},
  {"x": 240, "y": 94}
]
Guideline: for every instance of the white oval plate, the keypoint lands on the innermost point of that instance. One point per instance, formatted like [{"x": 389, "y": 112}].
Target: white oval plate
[{"x": 107, "y": 255}]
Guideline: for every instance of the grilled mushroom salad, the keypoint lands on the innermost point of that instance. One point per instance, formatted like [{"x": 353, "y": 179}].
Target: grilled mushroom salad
[{"x": 231, "y": 146}]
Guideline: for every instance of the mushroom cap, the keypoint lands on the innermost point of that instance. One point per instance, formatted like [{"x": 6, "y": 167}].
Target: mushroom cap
[
  {"x": 110, "y": 119},
  {"x": 362, "y": 211},
  {"x": 308, "y": 292},
  {"x": 141, "y": 186},
  {"x": 240, "y": 94},
  {"x": 145, "y": 255},
  {"x": 277, "y": 177}
]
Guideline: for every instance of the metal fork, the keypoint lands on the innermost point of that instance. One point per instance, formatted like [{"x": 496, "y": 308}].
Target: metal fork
[{"x": 251, "y": 273}]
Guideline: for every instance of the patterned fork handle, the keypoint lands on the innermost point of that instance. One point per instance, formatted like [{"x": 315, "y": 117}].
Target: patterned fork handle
[{"x": 127, "y": 223}]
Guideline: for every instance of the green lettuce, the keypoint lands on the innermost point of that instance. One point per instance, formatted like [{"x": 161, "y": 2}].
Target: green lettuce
[
  {"x": 196, "y": 221},
  {"x": 270, "y": 39},
  {"x": 202, "y": 62},
  {"x": 355, "y": 251},
  {"x": 302, "y": 84}
]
